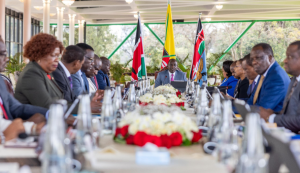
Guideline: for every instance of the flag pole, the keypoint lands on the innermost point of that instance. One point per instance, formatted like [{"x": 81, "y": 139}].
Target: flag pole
[{"x": 194, "y": 47}]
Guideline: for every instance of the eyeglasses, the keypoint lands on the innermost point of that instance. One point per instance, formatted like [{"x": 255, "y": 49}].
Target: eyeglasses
[{"x": 3, "y": 54}]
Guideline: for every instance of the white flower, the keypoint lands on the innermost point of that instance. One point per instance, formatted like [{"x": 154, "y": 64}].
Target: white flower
[
  {"x": 159, "y": 99},
  {"x": 146, "y": 98}
]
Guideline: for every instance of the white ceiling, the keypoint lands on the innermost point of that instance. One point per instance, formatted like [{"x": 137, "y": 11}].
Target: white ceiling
[{"x": 118, "y": 11}]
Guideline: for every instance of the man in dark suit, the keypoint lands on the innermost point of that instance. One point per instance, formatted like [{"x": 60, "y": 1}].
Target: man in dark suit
[
  {"x": 97, "y": 67},
  {"x": 172, "y": 74},
  {"x": 273, "y": 83},
  {"x": 80, "y": 82},
  {"x": 250, "y": 73},
  {"x": 289, "y": 116},
  {"x": 102, "y": 76},
  {"x": 71, "y": 63}
]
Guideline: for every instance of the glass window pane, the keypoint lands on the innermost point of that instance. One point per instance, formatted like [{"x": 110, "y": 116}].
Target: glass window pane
[
  {"x": 14, "y": 49},
  {"x": 7, "y": 28},
  {"x": 12, "y": 28},
  {"x": 16, "y": 30},
  {"x": 7, "y": 48},
  {"x": 32, "y": 30},
  {"x": 21, "y": 31}
]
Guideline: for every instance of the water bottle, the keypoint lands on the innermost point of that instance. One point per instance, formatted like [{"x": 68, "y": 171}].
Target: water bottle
[
  {"x": 108, "y": 119},
  {"x": 226, "y": 135},
  {"x": 252, "y": 154},
  {"x": 215, "y": 115},
  {"x": 117, "y": 105},
  {"x": 202, "y": 110},
  {"x": 138, "y": 95},
  {"x": 84, "y": 140},
  {"x": 196, "y": 99},
  {"x": 56, "y": 154},
  {"x": 131, "y": 97}
]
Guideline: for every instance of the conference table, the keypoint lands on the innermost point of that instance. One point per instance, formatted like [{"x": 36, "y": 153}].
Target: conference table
[{"x": 112, "y": 157}]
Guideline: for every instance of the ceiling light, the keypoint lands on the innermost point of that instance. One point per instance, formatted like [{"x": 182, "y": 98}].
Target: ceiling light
[
  {"x": 38, "y": 7},
  {"x": 52, "y": 14},
  {"x": 136, "y": 16},
  {"x": 208, "y": 19},
  {"x": 129, "y": 1},
  {"x": 219, "y": 6},
  {"x": 21, "y": 0},
  {"x": 68, "y": 2}
]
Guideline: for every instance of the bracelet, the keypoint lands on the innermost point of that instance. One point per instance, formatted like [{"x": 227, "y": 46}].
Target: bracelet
[
  {"x": 34, "y": 129},
  {"x": 2, "y": 138}
]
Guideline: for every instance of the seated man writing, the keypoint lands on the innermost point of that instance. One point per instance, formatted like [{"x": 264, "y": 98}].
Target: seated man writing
[{"x": 172, "y": 74}]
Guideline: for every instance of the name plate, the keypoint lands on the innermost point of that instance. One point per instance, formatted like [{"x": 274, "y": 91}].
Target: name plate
[{"x": 145, "y": 157}]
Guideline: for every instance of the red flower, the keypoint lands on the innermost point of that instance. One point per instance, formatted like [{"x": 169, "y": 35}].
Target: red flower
[
  {"x": 124, "y": 130},
  {"x": 154, "y": 140},
  {"x": 118, "y": 131},
  {"x": 197, "y": 136},
  {"x": 176, "y": 139},
  {"x": 130, "y": 140},
  {"x": 140, "y": 139},
  {"x": 166, "y": 141}
]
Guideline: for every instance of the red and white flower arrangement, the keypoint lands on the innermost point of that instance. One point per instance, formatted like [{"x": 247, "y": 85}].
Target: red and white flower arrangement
[{"x": 164, "y": 127}]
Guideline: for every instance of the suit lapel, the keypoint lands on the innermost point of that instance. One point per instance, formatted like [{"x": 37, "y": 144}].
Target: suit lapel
[
  {"x": 85, "y": 81},
  {"x": 166, "y": 79},
  {"x": 4, "y": 98},
  {"x": 60, "y": 68}
]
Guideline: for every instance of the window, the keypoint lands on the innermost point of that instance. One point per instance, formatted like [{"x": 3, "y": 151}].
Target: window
[{"x": 14, "y": 31}]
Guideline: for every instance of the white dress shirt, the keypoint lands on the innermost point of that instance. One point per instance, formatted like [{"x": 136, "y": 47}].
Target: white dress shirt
[
  {"x": 170, "y": 75},
  {"x": 5, "y": 123},
  {"x": 80, "y": 73},
  {"x": 272, "y": 117},
  {"x": 65, "y": 69},
  {"x": 92, "y": 86}
]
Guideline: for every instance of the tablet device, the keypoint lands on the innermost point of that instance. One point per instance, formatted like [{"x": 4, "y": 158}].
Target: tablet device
[
  {"x": 179, "y": 85},
  {"x": 243, "y": 108}
]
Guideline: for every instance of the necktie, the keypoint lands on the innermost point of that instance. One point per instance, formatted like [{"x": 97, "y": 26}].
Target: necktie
[
  {"x": 252, "y": 86},
  {"x": 3, "y": 110},
  {"x": 95, "y": 79},
  {"x": 236, "y": 88},
  {"x": 49, "y": 77},
  {"x": 71, "y": 82},
  {"x": 172, "y": 77},
  {"x": 258, "y": 89},
  {"x": 289, "y": 97}
]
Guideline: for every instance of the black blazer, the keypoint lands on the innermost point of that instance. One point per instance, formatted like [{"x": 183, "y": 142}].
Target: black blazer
[
  {"x": 63, "y": 82},
  {"x": 242, "y": 89},
  {"x": 14, "y": 109}
]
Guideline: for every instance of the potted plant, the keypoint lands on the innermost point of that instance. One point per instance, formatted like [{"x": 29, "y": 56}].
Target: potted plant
[{"x": 15, "y": 66}]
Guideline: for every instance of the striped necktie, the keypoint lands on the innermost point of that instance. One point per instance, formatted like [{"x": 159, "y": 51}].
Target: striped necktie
[
  {"x": 258, "y": 89},
  {"x": 288, "y": 97}
]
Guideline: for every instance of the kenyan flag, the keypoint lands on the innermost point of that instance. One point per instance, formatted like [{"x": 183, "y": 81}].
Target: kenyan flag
[
  {"x": 138, "y": 62},
  {"x": 198, "y": 69}
]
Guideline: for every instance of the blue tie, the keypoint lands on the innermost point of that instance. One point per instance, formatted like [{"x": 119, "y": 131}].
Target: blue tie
[{"x": 71, "y": 82}]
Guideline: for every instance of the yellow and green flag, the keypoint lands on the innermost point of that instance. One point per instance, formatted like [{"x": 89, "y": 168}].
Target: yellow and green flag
[{"x": 169, "y": 47}]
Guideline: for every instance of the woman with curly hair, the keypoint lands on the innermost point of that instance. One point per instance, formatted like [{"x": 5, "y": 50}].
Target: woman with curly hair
[{"x": 36, "y": 85}]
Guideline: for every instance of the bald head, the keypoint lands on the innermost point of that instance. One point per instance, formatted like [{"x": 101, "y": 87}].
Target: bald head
[{"x": 172, "y": 65}]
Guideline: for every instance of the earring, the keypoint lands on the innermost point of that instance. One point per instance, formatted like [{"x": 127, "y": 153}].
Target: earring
[{"x": 39, "y": 61}]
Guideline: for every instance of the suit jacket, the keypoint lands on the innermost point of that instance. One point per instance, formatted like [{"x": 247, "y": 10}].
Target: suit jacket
[
  {"x": 103, "y": 80},
  {"x": 273, "y": 89},
  {"x": 14, "y": 108},
  {"x": 35, "y": 88},
  {"x": 64, "y": 83},
  {"x": 231, "y": 81},
  {"x": 163, "y": 77},
  {"x": 78, "y": 86},
  {"x": 291, "y": 117},
  {"x": 242, "y": 89}
]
